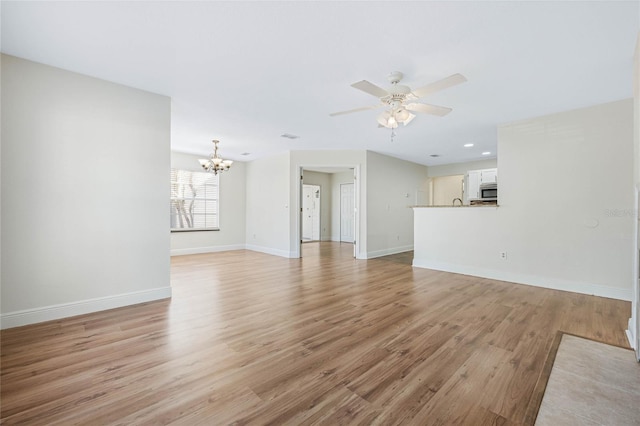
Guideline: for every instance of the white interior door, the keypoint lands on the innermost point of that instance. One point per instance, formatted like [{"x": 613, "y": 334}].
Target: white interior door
[
  {"x": 347, "y": 212},
  {"x": 310, "y": 212}
]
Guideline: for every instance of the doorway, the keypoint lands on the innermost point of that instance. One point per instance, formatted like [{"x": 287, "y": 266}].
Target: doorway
[
  {"x": 310, "y": 212},
  {"x": 332, "y": 226}
]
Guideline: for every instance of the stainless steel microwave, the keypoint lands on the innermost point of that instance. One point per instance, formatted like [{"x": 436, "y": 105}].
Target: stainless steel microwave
[{"x": 489, "y": 191}]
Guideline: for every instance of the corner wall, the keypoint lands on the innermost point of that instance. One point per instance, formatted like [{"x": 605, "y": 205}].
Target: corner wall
[
  {"x": 391, "y": 191},
  {"x": 85, "y": 166}
]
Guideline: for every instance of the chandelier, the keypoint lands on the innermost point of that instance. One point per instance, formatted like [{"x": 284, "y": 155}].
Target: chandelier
[{"x": 215, "y": 164}]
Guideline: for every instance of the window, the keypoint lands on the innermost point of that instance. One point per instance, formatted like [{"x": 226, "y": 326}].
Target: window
[{"x": 194, "y": 200}]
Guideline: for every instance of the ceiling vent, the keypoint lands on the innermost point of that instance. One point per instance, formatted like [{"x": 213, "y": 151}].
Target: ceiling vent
[{"x": 289, "y": 136}]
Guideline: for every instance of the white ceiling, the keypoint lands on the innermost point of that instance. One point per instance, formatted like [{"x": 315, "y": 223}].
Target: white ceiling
[{"x": 247, "y": 72}]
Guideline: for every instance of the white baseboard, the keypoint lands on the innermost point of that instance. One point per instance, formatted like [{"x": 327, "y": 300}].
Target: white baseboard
[
  {"x": 210, "y": 249},
  {"x": 81, "y": 307},
  {"x": 534, "y": 280},
  {"x": 386, "y": 252},
  {"x": 269, "y": 250}
]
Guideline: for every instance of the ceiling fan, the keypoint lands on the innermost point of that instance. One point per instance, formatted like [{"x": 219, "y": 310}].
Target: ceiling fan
[{"x": 396, "y": 97}]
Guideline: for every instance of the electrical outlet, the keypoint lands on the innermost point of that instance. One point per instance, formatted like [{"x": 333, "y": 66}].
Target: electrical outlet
[{"x": 503, "y": 255}]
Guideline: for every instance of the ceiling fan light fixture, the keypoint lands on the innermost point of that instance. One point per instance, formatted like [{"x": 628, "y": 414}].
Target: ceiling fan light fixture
[
  {"x": 397, "y": 95},
  {"x": 408, "y": 120},
  {"x": 383, "y": 118},
  {"x": 402, "y": 115}
]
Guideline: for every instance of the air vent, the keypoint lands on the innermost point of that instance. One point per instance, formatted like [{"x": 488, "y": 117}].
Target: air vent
[
  {"x": 246, "y": 153},
  {"x": 289, "y": 136},
  {"x": 434, "y": 155}
]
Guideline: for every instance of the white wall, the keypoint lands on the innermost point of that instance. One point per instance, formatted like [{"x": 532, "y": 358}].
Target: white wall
[
  {"x": 324, "y": 181},
  {"x": 391, "y": 189},
  {"x": 268, "y": 205},
  {"x": 462, "y": 168},
  {"x": 634, "y": 321},
  {"x": 336, "y": 180},
  {"x": 85, "y": 186},
  {"x": 566, "y": 207},
  {"x": 231, "y": 235}
]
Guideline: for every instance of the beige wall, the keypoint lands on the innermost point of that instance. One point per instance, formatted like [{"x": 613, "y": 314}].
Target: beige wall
[
  {"x": 85, "y": 189},
  {"x": 231, "y": 235},
  {"x": 566, "y": 207},
  {"x": 446, "y": 189}
]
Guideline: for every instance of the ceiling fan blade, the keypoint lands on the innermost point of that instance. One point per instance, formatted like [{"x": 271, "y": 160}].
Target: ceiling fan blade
[
  {"x": 429, "y": 109},
  {"x": 436, "y": 86},
  {"x": 370, "y": 88},
  {"x": 355, "y": 110}
]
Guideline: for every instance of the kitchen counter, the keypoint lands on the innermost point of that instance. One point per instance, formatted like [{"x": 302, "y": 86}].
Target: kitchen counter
[{"x": 456, "y": 207}]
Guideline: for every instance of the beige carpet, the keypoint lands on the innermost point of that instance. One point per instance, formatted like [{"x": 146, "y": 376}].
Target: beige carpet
[{"x": 591, "y": 383}]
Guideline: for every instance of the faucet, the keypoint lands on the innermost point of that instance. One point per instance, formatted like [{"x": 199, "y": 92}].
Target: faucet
[{"x": 454, "y": 201}]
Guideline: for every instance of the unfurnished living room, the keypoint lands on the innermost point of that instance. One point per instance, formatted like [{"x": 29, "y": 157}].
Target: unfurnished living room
[{"x": 320, "y": 213}]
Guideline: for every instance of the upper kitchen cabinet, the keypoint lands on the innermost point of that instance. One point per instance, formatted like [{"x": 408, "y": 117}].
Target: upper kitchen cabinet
[
  {"x": 472, "y": 181},
  {"x": 472, "y": 185},
  {"x": 488, "y": 176}
]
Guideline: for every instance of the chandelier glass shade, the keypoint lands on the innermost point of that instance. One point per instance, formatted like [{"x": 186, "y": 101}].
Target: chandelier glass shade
[{"x": 215, "y": 164}]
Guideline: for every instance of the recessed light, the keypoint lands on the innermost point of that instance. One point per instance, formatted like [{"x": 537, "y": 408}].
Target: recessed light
[
  {"x": 434, "y": 155},
  {"x": 468, "y": 145},
  {"x": 246, "y": 153},
  {"x": 486, "y": 153}
]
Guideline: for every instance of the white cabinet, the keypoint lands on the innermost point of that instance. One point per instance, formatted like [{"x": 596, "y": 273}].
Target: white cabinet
[
  {"x": 489, "y": 176},
  {"x": 472, "y": 181},
  {"x": 472, "y": 186}
]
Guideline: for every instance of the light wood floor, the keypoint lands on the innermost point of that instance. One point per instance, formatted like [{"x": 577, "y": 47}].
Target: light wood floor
[{"x": 250, "y": 338}]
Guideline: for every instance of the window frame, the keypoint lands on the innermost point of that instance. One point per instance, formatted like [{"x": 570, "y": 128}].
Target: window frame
[{"x": 209, "y": 179}]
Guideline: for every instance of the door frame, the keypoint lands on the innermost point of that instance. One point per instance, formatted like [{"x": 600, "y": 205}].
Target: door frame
[{"x": 297, "y": 228}]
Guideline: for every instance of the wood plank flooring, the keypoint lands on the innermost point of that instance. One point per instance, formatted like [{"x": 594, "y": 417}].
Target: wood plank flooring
[{"x": 250, "y": 338}]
